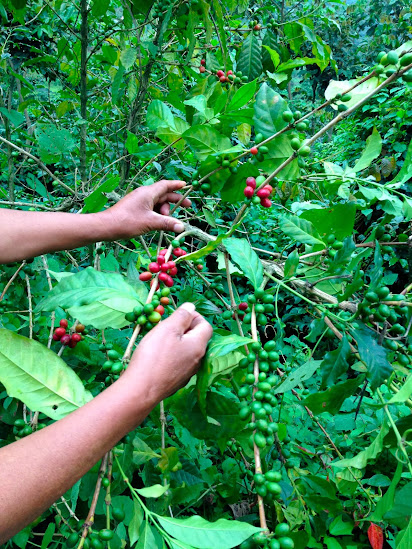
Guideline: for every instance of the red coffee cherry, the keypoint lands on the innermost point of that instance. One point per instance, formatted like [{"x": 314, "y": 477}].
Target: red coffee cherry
[
  {"x": 263, "y": 193},
  {"x": 163, "y": 277},
  {"x": 160, "y": 260},
  {"x": 199, "y": 267},
  {"x": 203, "y": 62},
  {"x": 72, "y": 344},
  {"x": 160, "y": 309},
  {"x": 223, "y": 79},
  {"x": 59, "y": 332},
  {"x": 65, "y": 340},
  {"x": 165, "y": 267},
  {"x": 164, "y": 300},
  {"x": 172, "y": 264},
  {"x": 269, "y": 187},
  {"x": 64, "y": 323},
  {"x": 202, "y": 70},
  {"x": 248, "y": 192},
  {"x": 243, "y": 306},
  {"x": 154, "y": 267},
  {"x": 257, "y": 28},
  {"x": 251, "y": 182},
  {"x": 56, "y": 337},
  {"x": 80, "y": 328},
  {"x": 173, "y": 271},
  {"x": 254, "y": 150},
  {"x": 145, "y": 276},
  {"x": 220, "y": 73},
  {"x": 265, "y": 202},
  {"x": 76, "y": 337},
  {"x": 177, "y": 252},
  {"x": 163, "y": 251},
  {"x": 169, "y": 281},
  {"x": 229, "y": 72}
]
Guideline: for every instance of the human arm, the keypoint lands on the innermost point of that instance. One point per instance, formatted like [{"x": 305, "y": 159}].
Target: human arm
[
  {"x": 63, "y": 452},
  {"x": 28, "y": 234}
]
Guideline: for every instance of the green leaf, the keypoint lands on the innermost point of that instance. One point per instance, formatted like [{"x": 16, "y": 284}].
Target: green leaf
[
  {"x": 373, "y": 355},
  {"x": 270, "y": 61},
  {"x": 53, "y": 142},
  {"x": 386, "y": 502},
  {"x": 338, "y": 219},
  {"x": 158, "y": 114},
  {"x": 155, "y": 491},
  {"x": 15, "y": 117},
  {"x": 210, "y": 246},
  {"x": 100, "y": 7},
  {"x": 147, "y": 537},
  {"x": 268, "y": 109},
  {"x": 335, "y": 363},
  {"x": 128, "y": 57},
  {"x": 300, "y": 375},
  {"x": 401, "y": 511},
  {"x": 361, "y": 460},
  {"x": 405, "y": 173},
  {"x": 142, "y": 452},
  {"x": 300, "y": 230},
  {"x": 273, "y": 54},
  {"x": 404, "y": 538},
  {"x": 250, "y": 58},
  {"x": 35, "y": 375},
  {"x": 136, "y": 522},
  {"x": 247, "y": 259},
  {"x": 279, "y": 151},
  {"x": 48, "y": 535},
  {"x": 97, "y": 199},
  {"x": 372, "y": 150},
  {"x": 95, "y": 298},
  {"x": 222, "y": 345},
  {"x": 339, "y": 527},
  {"x": 205, "y": 140},
  {"x": 359, "y": 93},
  {"x": 202, "y": 534},
  {"x": 291, "y": 264},
  {"x": 242, "y": 96},
  {"x": 332, "y": 399}
]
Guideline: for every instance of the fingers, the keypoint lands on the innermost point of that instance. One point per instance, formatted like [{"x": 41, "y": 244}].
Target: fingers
[
  {"x": 182, "y": 318},
  {"x": 164, "y": 223},
  {"x": 165, "y": 209},
  {"x": 200, "y": 332},
  {"x": 172, "y": 198},
  {"x": 164, "y": 187}
]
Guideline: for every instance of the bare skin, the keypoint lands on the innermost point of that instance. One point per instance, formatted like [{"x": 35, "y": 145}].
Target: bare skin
[
  {"x": 144, "y": 209},
  {"x": 63, "y": 452}
]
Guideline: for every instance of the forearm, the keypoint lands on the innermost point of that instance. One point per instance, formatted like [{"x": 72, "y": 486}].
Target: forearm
[
  {"x": 37, "y": 470},
  {"x": 28, "y": 234}
]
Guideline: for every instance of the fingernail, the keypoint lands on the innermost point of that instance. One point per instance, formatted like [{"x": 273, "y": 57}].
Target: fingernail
[
  {"x": 178, "y": 227},
  {"x": 188, "y": 307}
]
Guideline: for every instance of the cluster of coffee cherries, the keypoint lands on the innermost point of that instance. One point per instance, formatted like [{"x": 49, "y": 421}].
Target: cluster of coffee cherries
[
  {"x": 165, "y": 269},
  {"x": 22, "y": 429},
  {"x": 150, "y": 314},
  {"x": 69, "y": 339},
  {"x": 262, "y": 195},
  {"x": 333, "y": 246},
  {"x": 279, "y": 540},
  {"x": 160, "y": 7},
  {"x": 344, "y": 98},
  {"x": 389, "y": 63},
  {"x": 202, "y": 67},
  {"x": 114, "y": 363},
  {"x": 230, "y": 76}
]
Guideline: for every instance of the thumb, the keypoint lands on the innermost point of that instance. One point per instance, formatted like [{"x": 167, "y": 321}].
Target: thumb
[
  {"x": 165, "y": 223},
  {"x": 182, "y": 318}
]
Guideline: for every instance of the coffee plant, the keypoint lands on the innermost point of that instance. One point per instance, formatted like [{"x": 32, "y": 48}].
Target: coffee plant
[{"x": 290, "y": 123}]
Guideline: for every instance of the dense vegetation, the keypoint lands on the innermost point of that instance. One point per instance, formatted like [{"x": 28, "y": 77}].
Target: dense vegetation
[{"x": 297, "y": 248}]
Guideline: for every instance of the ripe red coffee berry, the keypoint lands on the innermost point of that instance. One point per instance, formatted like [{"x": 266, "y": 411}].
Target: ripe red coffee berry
[
  {"x": 203, "y": 62},
  {"x": 173, "y": 271},
  {"x": 169, "y": 281},
  {"x": 154, "y": 267},
  {"x": 165, "y": 267},
  {"x": 248, "y": 192},
  {"x": 80, "y": 328},
  {"x": 172, "y": 264},
  {"x": 145, "y": 276},
  {"x": 263, "y": 193},
  {"x": 64, "y": 323},
  {"x": 163, "y": 277},
  {"x": 59, "y": 332},
  {"x": 251, "y": 182},
  {"x": 76, "y": 337},
  {"x": 243, "y": 306},
  {"x": 265, "y": 202},
  {"x": 222, "y": 79},
  {"x": 164, "y": 300},
  {"x": 202, "y": 70},
  {"x": 160, "y": 309},
  {"x": 177, "y": 252},
  {"x": 65, "y": 340},
  {"x": 163, "y": 251},
  {"x": 229, "y": 72},
  {"x": 72, "y": 344},
  {"x": 268, "y": 187},
  {"x": 56, "y": 337},
  {"x": 199, "y": 267},
  {"x": 220, "y": 73},
  {"x": 254, "y": 150},
  {"x": 161, "y": 259},
  {"x": 257, "y": 28}
]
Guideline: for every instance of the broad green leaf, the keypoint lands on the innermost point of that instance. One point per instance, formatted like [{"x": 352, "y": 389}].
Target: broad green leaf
[
  {"x": 359, "y": 93},
  {"x": 205, "y": 140},
  {"x": 222, "y": 345},
  {"x": 279, "y": 151},
  {"x": 53, "y": 142},
  {"x": 148, "y": 151},
  {"x": 291, "y": 264},
  {"x": 361, "y": 460},
  {"x": 405, "y": 172},
  {"x": 300, "y": 230},
  {"x": 158, "y": 114},
  {"x": 250, "y": 58},
  {"x": 247, "y": 259},
  {"x": 373, "y": 355},
  {"x": 210, "y": 246},
  {"x": 142, "y": 452},
  {"x": 15, "y": 117},
  {"x": 96, "y": 200},
  {"x": 242, "y": 96},
  {"x": 404, "y": 539},
  {"x": 404, "y": 393},
  {"x": 136, "y": 522},
  {"x": 169, "y": 458},
  {"x": 100, "y": 7},
  {"x": 270, "y": 61},
  {"x": 401, "y": 511},
  {"x": 147, "y": 538},
  {"x": 338, "y": 219},
  {"x": 335, "y": 363},
  {"x": 274, "y": 55},
  {"x": 173, "y": 134},
  {"x": 202, "y": 534},
  {"x": 35, "y": 375},
  {"x": 95, "y": 298},
  {"x": 233, "y": 188},
  {"x": 371, "y": 151},
  {"x": 340, "y": 527},
  {"x": 332, "y": 399},
  {"x": 300, "y": 375},
  {"x": 199, "y": 102},
  {"x": 244, "y": 132},
  {"x": 128, "y": 57},
  {"x": 386, "y": 502},
  {"x": 268, "y": 109},
  {"x": 154, "y": 491},
  {"x": 48, "y": 535}
]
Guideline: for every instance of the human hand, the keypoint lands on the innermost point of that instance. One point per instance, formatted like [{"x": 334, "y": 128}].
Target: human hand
[
  {"x": 145, "y": 209},
  {"x": 170, "y": 354}
]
